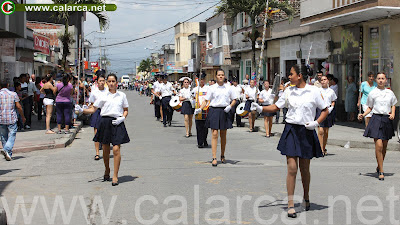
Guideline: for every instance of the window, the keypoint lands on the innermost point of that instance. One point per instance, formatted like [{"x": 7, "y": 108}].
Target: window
[
  {"x": 178, "y": 46},
  {"x": 248, "y": 68},
  {"x": 210, "y": 39},
  {"x": 194, "y": 50},
  {"x": 219, "y": 35},
  {"x": 240, "y": 20}
]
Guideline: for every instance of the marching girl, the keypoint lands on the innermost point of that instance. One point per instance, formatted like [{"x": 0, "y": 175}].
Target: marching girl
[
  {"x": 266, "y": 98},
  {"x": 95, "y": 119},
  {"x": 299, "y": 141},
  {"x": 330, "y": 98},
  {"x": 187, "y": 110},
  {"x": 381, "y": 102},
  {"x": 222, "y": 98},
  {"x": 251, "y": 94},
  {"x": 111, "y": 128},
  {"x": 167, "y": 89}
]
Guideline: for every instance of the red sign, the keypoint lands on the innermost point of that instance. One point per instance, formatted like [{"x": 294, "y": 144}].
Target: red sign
[
  {"x": 41, "y": 43},
  {"x": 94, "y": 64}
]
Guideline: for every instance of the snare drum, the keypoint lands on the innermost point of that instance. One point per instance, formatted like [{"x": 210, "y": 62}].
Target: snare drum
[
  {"x": 175, "y": 103},
  {"x": 240, "y": 110}
]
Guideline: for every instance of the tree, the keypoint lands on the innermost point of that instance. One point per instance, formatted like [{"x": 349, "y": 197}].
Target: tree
[
  {"x": 254, "y": 9},
  {"x": 146, "y": 65},
  {"x": 67, "y": 38}
]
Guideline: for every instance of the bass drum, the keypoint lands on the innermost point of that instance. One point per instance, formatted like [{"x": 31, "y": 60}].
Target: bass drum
[
  {"x": 240, "y": 110},
  {"x": 175, "y": 103}
]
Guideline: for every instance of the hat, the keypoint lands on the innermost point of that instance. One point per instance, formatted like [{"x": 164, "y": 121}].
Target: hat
[
  {"x": 183, "y": 78},
  {"x": 235, "y": 79},
  {"x": 245, "y": 81}
]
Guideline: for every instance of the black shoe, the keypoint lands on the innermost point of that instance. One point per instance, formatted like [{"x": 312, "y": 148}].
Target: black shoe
[
  {"x": 291, "y": 215},
  {"x": 114, "y": 184},
  {"x": 205, "y": 144},
  {"x": 165, "y": 125},
  {"x": 169, "y": 123},
  {"x": 106, "y": 178},
  {"x": 307, "y": 204},
  {"x": 223, "y": 159},
  {"x": 200, "y": 146},
  {"x": 216, "y": 164},
  {"x": 381, "y": 174}
]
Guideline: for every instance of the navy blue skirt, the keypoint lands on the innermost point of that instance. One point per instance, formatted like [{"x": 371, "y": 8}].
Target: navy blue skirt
[
  {"x": 297, "y": 141},
  {"x": 187, "y": 108},
  {"x": 267, "y": 113},
  {"x": 329, "y": 121},
  {"x": 247, "y": 105},
  {"x": 218, "y": 119},
  {"x": 95, "y": 119},
  {"x": 380, "y": 127},
  {"x": 107, "y": 133}
]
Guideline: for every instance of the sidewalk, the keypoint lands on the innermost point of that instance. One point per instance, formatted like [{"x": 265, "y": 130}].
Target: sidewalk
[
  {"x": 339, "y": 134},
  {"x": 36, "y": 139}
]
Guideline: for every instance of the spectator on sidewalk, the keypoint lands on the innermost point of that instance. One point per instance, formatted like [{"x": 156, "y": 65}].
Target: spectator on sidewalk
[
  {"x": 351, "y": 99},
  {"x": 9, "y": 103},
  {"x": 17, "y": 87},
  {"x": 63, "y": 104},
  {"x": 49, "y": 90},
  {"x": 39, "y": 97},
  {"x": 28, "y": 88},
  {"x": 365, "y": 88}
]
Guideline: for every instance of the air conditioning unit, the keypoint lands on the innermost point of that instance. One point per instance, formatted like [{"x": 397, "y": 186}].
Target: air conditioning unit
[{"x": 299, "y": 54}]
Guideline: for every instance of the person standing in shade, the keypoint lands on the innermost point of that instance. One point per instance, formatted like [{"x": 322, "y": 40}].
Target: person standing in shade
[
  {"x": 27, "y": 88},
  {"x": 201, "y": 129},
  {"x": 238, "y": 92},
  {"x": 299, "y": 141},
  {"x": 365, "y": 88},
  {"x": 381, "y": 102},
  {"x": 9, "y": 104},
  {"x": 330, "y": 99},
  {"x": 221, "y": 98},
  {"x": 114, "y": 110},
  {"x": 63, "y": 104},
  {"x": 166, "y": 93},
  {"x": 351, "y": 99},
  {"x": 96, "y": 94},
  {"x": 185, "y": 96},
  {"x": 266, "y": 98},
  {"x": 251, "y": 94},
  {"x": 50, "y": 94}
]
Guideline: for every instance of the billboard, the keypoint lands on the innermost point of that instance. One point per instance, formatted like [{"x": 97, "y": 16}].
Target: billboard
[{"x": 41, "y": 43}]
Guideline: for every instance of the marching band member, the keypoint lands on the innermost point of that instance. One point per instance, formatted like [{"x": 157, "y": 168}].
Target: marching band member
[
  {"x": 266, "y": 98},
  {"x": 96, "y": 94},
  {"x": 114, "y": 110},
  {"x": 156, "y": 100},
  {"x": 187, "y": 110},
  {"x": 222, "y": 99},
  {"x": 251, "y": 94},
  {"x": 381, "y": 102},
  {"x": 238, "y": 91},
  {"x": 167, "y": 90},
  {"x": 299, "y": 141},
  {"x": 201, "y": 129},
  {"x": 330, "y": 98}
]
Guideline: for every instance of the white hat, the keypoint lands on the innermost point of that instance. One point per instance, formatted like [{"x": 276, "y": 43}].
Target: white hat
[{"x": 183, "y": 78}]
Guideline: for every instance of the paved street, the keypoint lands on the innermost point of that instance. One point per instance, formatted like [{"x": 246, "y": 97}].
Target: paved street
[{"x": 166, "y": 179}]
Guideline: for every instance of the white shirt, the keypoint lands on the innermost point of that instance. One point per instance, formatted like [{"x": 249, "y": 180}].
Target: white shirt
[
  {"x": 252, "y": 92},
  {"x": 112, "y": 105},
  {"x": 329, "y": 95},
  {"x": 381, "y": 101},
  {"x": 166, "y": 89},
  {"x": 220, "y": 96},
  {"x": 267, "y": 97},
  {"x": 202, "y": 93},
  {"x": 185, "y": 93},
  {"x": 302, "y": 103},
  {"x": 96, "y": 94},
  {"x": 156, "y": 86},
  {"x": 335, "y": 88},
  {"x": 238, "y": 90}
]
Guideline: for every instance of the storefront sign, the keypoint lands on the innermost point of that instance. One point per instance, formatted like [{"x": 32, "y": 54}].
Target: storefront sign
[
  {"x": 374, "y": 43},
  {"x": 94, "y": 64},
  {"x": 41, "y": 43},
  {"x": 171, "y": 68}
]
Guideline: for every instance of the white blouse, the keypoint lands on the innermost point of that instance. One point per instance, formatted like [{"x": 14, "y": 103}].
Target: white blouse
[
  {"x": 112, "y": 105},
  {"x": 267, "y": 97},
  {"x": 252, "y": 92},
  {"x": 185, "y": 93},
  {"x": 302, "y": 104},
  {"x": 166, "y": 89},
  {"x": 96, "y": 94},
  {"x": 381, "y": 101},
  {"x": 220, "y": 96},
  {"x": 329, "y": 95}
]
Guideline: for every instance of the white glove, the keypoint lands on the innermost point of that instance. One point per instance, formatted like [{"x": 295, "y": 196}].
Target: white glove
[
  {"x": 78, "y": 110},
  {"x": 118, "y": 121},
  {"x": 256, "y": 107},
  {"x": 160, "y": 97},
  {"x": 330, "y": 109},
  {"x": 228, "y": 108},
  {"x": 312, "y": 125},
  {"x": 197, "y": 111}
]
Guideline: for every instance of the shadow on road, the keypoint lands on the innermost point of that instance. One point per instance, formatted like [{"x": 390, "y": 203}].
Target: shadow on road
[
  {"x": 125, "y": 179},
  {"x": 283, "y": 205},
  {"x": 375, "y": 175}
]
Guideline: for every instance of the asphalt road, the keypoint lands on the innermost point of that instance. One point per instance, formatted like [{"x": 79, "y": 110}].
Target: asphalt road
[{"x": 165, "y": 179}]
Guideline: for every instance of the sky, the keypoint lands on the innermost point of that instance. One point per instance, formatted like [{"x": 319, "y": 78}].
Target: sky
[{"x": 137, "y": 18}]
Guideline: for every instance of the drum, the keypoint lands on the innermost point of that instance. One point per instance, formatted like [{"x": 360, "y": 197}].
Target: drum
[
  {"x": 203, "y": 114},
  {"x": 240, "y": 110},
  {"x": 175, "y": 103}
]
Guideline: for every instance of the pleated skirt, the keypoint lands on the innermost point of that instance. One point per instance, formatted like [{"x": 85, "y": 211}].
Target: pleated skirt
[
  {"x": 108, "y": 133},
  {"x": 380, "y": 127},
  {"x": 218, "y": 119}
]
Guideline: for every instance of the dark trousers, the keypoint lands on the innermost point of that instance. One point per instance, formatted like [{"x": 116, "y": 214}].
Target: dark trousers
[
  {"x": 232, "y": 114},
  {"x": 27, "y": 105},
  {"x": 168, "y": 112},
  {"x": 63, "y": 110},
  {"x": 40, "y": 108},
  {"x": 157, "y": 105},
  {"x": 202, "y": 132}
]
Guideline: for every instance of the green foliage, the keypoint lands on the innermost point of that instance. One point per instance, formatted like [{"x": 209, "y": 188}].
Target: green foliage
[{"x": 146, "y": 65}]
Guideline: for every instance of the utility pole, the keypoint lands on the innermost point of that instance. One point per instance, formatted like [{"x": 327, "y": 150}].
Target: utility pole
[{"x": 100, "y": 66}]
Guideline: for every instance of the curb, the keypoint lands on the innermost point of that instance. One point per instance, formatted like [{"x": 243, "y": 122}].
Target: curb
[
  {"x": 58, "y": 143},
  {"x": 392, "y": 145}
]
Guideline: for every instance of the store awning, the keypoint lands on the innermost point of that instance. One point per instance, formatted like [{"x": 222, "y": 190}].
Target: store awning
[{"x": 354, "y": 17}]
